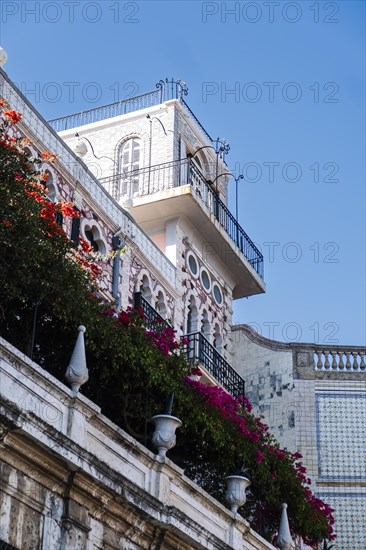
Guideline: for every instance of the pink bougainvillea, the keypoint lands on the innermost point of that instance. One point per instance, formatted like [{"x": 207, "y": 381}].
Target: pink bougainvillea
[{"x": 238, "y": 411}]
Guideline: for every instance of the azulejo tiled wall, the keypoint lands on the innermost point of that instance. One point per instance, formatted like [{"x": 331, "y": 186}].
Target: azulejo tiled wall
[
  {"x": 341, "y": 435},
  {"x": 349, "y": 513}
]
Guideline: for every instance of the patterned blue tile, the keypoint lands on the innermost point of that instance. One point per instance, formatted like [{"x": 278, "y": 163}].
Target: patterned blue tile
[
  {"x": 349, "y": 513},
  {"x": 341, "y": 436}
]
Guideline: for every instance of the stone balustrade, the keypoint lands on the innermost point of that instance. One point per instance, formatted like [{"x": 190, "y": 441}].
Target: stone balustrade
[
  {"x": 332, "y": 358},
  {"x": 340, "y": 359},
  {"x": 309, "y": 357}
]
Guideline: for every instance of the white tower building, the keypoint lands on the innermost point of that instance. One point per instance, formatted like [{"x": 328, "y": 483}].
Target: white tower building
[{"x": 159, "y": 163}]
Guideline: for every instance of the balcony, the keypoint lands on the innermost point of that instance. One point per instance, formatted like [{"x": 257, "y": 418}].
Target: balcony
[
  {"x": 198, "y": 350},
  {"x": 170, "y": 175},
  {"x": 152, "y": 318}
]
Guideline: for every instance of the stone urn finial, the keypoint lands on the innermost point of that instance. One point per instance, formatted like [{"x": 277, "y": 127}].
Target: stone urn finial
[
  {"x": 164, "y": 437},
  {"x": 77, "y": 372},
  {"x": 284, "y": 539},
  {"x": 236, "y": 486}
]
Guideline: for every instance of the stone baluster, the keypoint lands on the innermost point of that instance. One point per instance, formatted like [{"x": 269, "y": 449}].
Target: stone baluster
[
  {"x": 338, "y": 359},
  {"x": 355, "y": 362},
  {"x": 362, "y": 364},
  {"x": 334, "y": 360}
]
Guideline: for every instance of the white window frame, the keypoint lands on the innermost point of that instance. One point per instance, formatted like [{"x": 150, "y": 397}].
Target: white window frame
[{"x": 129, "y": 186}]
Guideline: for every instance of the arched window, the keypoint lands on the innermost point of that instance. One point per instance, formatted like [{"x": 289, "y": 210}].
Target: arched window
[
  {"x": 192, "y": 316},
  {"x": 92, "y": 233},
  {"x": 201, "y": 162},
  {"x": 192, "y": 328},
  {"x": 90, "y": 237},
  {"x": 205, "y": 325},
  {"x": 145, "y": 289},
  {"x": 217, "y": 341},
  {"x": 160, "y": 306},
  {"x": 197, "y": 160},
  {"x": 129, "y": 165}
]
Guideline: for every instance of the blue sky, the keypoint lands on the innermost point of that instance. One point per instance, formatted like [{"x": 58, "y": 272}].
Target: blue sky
[{"x": 294, "y": 119}]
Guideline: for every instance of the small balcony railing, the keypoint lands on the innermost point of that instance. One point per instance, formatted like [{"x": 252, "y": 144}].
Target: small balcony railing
[
  {"x": 152, "y": 318},
  {"x": 200, "y": 350},
  {"x": 175, "y": 174},
  {"x": 165, "y": 90}
]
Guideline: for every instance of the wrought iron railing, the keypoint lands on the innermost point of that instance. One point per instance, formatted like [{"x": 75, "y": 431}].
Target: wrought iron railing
[
  {"x": 153, "y": 319},
  {"x": 106, "y": 111},
  {"x": 165, "y": 90},
  {"x": 182, "y": 172},
  {"x": 199, "y": 349}
]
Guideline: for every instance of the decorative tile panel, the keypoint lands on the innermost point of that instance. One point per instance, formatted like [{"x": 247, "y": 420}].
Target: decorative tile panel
[
  {"x": 349, "y": 513},
  {"x": 341, "y": 436}
]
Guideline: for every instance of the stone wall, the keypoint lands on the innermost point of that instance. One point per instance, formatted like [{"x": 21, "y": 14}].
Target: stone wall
[{"x": 72, "y": 480}]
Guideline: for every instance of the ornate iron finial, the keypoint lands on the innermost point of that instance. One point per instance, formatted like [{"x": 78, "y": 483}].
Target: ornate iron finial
[
  {"x": 284, "y": 539},
  {"x": 160, "y": 84},
  {"x": 172, "y": 89},
  {"x": 183, "y": 88},
  {"x": 222, "y": 147},
  {"x": 77, "y": 372}
]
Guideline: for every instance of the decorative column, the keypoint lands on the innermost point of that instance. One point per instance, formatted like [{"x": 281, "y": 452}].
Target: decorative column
[
  {"x": 77, "y": 373},
  {"x": 284, "y": 539}
]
